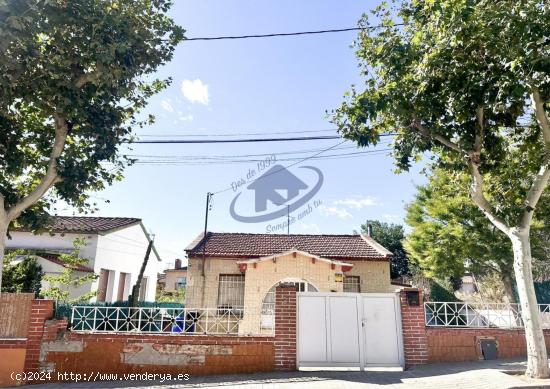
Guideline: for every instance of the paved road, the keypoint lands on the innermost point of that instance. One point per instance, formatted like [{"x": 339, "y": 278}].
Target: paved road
[{"x": 482, "y": 375}]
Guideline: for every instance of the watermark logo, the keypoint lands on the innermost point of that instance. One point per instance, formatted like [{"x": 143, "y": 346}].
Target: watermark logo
[{"x": 276, "y": 193}]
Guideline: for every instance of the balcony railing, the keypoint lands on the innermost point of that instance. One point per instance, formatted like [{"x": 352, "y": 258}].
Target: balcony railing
[
  {"x": 497, "y": 315},
  {"x": 217, "y": 321}
]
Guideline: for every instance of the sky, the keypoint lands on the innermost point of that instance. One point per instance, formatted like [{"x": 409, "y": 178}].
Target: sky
[{"x": 264, "y": 86}]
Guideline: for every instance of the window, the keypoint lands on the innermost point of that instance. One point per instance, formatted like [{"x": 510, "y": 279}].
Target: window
[
  {"x": 181, "y": 282},
  {"x": 231, "y": 291},
  {"x": 352, "y": 284}
]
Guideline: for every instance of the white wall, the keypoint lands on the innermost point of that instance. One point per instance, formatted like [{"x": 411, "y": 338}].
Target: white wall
[
  {"x": 118, "y": 251},
  {"x": 123, "y": 251},
  {"x": 27, "y": 240}
]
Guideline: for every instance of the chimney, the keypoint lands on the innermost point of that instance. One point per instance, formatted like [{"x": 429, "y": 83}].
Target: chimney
[
  {"x": 178, "y": 264},
  {"x": 369, "y": 229}
]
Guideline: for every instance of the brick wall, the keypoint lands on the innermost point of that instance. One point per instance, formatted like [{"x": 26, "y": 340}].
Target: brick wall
[
  {"x": 415, "y": 341},
  {"x": 463, "y": 344},
  {"x": 41, "y": 310},
  {"x": 285, "y": 328},
  {"x": 50, "y": 347},
  {"x": 447, "y": 344}
]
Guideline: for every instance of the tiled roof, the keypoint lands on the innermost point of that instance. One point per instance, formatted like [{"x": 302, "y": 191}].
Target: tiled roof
[
  {"x": 240, "y": 245},
  {"x": 89, "y": 224}
]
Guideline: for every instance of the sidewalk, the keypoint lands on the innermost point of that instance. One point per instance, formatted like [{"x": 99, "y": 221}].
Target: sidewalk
[{"x": 482, "y": 375}]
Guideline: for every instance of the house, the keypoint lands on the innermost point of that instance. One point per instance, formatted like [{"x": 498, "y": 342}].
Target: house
[
  {"x": 280, "y": 180},
  {"x": 176, "y": 278},
  {"x": 114, "y": 247},
  {"x": 242, "y": 270}
]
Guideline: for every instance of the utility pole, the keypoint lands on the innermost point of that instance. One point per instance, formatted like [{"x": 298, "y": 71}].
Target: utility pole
[
  {"x": 204, "y": 238},
  {"x": 134, "y": 297}
]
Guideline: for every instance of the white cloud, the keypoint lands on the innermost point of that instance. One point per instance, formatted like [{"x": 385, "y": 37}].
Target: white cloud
[
  {"x": 195, "y": 91},
  {"x": 358, "y": 202},
  {"x": 167, "y": 105},
  {"x": 340, "y": 213},
  {"x": 310, "y": 227}
]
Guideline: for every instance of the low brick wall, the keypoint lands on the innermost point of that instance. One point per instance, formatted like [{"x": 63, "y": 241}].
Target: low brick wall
[
  {"x": 50, "y": 347},
  {"x": 12, "y": 360},
  {"x": 451, "y": 344},
  {"x": 463, "y": 344},
  {"x": 173, "y": 354}
]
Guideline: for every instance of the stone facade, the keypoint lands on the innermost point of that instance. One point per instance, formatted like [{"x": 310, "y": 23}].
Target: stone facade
[{"x": 260, "y": 277}]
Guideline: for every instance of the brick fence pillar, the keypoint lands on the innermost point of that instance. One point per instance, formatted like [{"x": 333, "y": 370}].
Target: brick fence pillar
[
  {"x": 41, "y": 311},
  {"x": 415, "y": 339},
  {"x": 285, "y": 327}
]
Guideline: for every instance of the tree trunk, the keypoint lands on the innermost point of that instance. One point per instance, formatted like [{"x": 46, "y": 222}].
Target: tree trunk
[
  {"x": 3, "y": 233},
  {"x": 537, "y": 360},
  {"x": 508, "y": 288},
  {"x": 134, "y": 297}
]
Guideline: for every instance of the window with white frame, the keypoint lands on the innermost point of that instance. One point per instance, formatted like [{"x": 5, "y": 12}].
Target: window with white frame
[
  {"x": 352, "y": 284},
  {"x": 231, "y": 291}
]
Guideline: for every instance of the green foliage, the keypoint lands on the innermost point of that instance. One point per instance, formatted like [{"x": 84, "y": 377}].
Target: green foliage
[
  {"x": 442, "y": 291},
  {"x": 454, "y": 72},
  {"x": 390, "y": 236},
  {"x": 177, "y": 296},
  {"x": 61, "y": 285},
  {"x": 22, "y": 277},
  {"x": 449, "y": 233},
  {"x": 86, "y": 65}
]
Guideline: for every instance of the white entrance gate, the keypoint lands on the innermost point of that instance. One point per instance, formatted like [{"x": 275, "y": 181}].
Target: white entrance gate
[{"x": 349, "y": 330}]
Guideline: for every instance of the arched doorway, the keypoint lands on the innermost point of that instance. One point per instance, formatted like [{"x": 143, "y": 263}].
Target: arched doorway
[{"x": 268, "y": 303}]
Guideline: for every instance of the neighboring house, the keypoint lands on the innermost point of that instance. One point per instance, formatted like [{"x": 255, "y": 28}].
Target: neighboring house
[
  {"x": 115, "y": 247},
  {"x": 176, "y": 278},
  {"x": 241, "y": 270}
]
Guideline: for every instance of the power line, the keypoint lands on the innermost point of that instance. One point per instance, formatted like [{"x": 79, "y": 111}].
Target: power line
[
  {"x": 245, "y": 140},
  {"x": 286, "y": 167},
  {"x": 236, "y": 134},
  {"x": 299, "y": 138},
  {"x": 230, "y": 161},
  {"x": 282, "y": 34}
]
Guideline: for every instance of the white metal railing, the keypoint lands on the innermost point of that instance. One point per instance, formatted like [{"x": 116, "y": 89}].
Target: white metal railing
[
  {"x": 216, "y": 321},
  {"x": 460, "y": 314}
]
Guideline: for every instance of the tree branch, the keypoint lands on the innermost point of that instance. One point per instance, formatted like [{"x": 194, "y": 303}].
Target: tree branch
[
  {"x": 86, "y": 78},
  {"x": 535, "y": 192},
  {"x": 481, "y": 201},
  {"x": 542, "y": 118},
  {"x": 543, "y": 175},
  {"x": 428, "y": 134},
  {"x": 51, "y": 177}
]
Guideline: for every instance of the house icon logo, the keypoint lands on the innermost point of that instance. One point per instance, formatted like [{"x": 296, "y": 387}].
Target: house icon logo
[
  {"x": 282, "y": 187},
  {"x": 277, "y": 189}
]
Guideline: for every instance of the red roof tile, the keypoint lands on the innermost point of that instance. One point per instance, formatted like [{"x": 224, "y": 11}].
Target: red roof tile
[
  {"x": 241, "y": 245},
  {"x": 88, "y": 224}
]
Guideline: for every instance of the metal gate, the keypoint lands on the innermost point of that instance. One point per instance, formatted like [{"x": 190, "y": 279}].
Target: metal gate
[{"x": 349, "y": 330}]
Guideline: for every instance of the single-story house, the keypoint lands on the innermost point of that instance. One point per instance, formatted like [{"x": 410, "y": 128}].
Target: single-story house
[
  {"x": 240, "y": 270},
  {"x": 114, "y": 246},
  {"x": 175, "y": 278}
]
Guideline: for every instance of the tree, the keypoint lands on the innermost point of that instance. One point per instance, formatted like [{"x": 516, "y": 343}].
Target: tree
[
  {"x": 73, "y": 77},
  {"x": 390, "y": 236},
  {"x": 133, "y": 299},
  {"x": 61, "y": 285},
  {"x": 450, "y": 235},
  {"x": 22, "y": 277},
  {"x": 468, "y": 83}
]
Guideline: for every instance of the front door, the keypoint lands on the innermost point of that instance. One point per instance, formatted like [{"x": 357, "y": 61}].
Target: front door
[{"x": 381, "y": 330}]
